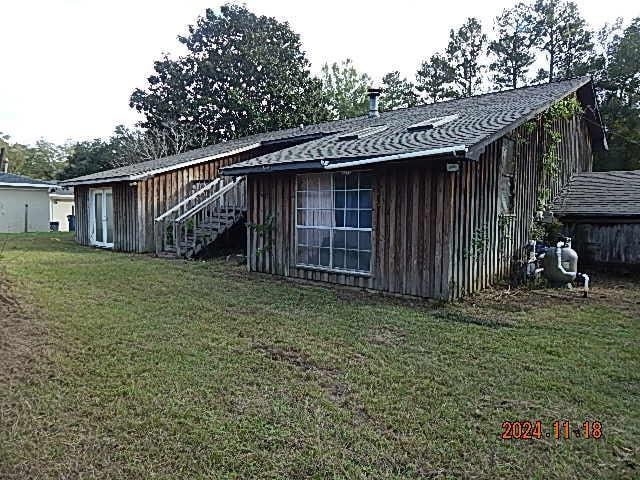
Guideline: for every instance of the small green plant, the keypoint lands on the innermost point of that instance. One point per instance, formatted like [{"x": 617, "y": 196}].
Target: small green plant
[
  {"x": 263, "y": 231},
  {"x": 562, "y": 110},
  {"x": 479, "y": 243}
]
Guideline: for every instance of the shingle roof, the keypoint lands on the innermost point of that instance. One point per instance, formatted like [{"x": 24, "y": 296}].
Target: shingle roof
[
  {"x": 143, "y": 169},
  {"x": 600, "y": 194},
  {"x": 480, "y": 119},
  {"x": 11, "y": 179}
]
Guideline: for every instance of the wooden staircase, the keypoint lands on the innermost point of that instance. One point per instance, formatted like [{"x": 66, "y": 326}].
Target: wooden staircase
[{"x": 198, "y": 220}]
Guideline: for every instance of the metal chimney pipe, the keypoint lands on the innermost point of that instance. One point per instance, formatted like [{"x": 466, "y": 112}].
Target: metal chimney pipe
[{"x": 373, "y": 93}]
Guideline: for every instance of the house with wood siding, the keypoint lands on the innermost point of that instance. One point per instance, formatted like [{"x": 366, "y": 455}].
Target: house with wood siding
[{"x": 432, "y": 201}]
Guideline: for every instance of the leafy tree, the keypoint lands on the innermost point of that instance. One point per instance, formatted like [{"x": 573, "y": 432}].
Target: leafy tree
[
  {"x": 512, "y": 50},
  {"x": 88, "y": 157},
  {"x": 242, "y": 74},
  {"x": 563, "y": 35},
  {"x": 397, "y": 92},
  {"x": 344, "y": 89},
  {"x": 434, "y": 79},
  {"x": 619, "y": 85},
  {"x": 41, "y": 161},
  {"x": 464, "y": 52}
]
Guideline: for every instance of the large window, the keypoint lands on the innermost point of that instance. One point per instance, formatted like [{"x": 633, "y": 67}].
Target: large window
[{"x": 333, "y": 221}]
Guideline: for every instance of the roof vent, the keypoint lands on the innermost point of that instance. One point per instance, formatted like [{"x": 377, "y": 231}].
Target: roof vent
[
  {"x": 373, "y": 93},
  {"x": 363, "y": 133},
  {"x": 431, "y": 123}
]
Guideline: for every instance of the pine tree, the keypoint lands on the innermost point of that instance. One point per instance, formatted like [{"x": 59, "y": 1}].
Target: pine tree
[
  {"x": 563, "y": 35},
  {"x": 434, "y": 79},
  {"x": 397, "y": 92},
  {"x": 512, "y": 50},
  {"x": 464, "y": 51}
]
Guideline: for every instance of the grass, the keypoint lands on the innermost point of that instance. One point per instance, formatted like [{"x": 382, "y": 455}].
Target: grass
[{"x": 135, "y": 367}]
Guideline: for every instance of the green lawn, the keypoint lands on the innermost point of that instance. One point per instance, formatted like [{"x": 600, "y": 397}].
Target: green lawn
[{"x": 126, "y": 366}]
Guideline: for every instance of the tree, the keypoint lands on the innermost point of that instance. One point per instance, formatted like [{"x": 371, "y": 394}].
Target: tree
[
  {"x": 41, "y": 161},
  {"x": 397, "y": 92},
  {"x": 242, "y": 74},
  {"x": 88, "y": 157},
  {"x": 434, "y": 79},
  {"x": 344, "y": 89},
  {"x": 619, "y": 85},
  {"x": 512, "y": 50},
  {"x": 564, "y": 37},
  {"x": 464, "y": 52}
]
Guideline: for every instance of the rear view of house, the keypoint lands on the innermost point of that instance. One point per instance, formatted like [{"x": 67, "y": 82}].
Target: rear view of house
[{"x": 432, "y": 201}]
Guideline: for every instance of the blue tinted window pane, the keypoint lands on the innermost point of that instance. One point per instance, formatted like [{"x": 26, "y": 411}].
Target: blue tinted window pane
[
  {"x": 324, "y": 257},
  {"x": 325, "y": 237},
  {"x": 339, "y": 199},
  {"x": 338, "y": 238},
  {"x": 351, "y": 262},
  {"x": 351, "y": 219},
  {"x": 339, "y": 218},
  {"x": 364, "y": 261},
  {"x": 365, "y": 199},
  {"x": 352, "y": 199},
  {"x": 365, "y": 241},
  {"x": 338, "y": 181},
  {"x": 302, "y": 254},
  {"x": 352, "y": 239},
  {"x": 365, "y": 218},
  {"x": 314, "y": 254},
  {"x": 365, "y": 180},
  {"x": 302, "y": 236},
  {"x": 352, "y": 181},
  {"x": 338, "y": 258}
]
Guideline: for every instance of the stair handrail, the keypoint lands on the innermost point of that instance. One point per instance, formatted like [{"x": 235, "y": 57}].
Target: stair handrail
[
  {"x": 190, "y": 198},
  {"x": 209, "y": 200}
]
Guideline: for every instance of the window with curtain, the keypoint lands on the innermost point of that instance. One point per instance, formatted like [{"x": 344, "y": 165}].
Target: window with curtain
[{"x": 333, "y": 221}]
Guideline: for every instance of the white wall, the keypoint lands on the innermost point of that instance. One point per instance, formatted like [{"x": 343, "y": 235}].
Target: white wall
[
  {"x": 60, "y": 208},
  {"x": 12, "y": 209}
]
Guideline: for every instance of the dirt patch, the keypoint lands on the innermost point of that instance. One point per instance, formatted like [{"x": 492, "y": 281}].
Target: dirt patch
[
  {"x": 23, "y": 340},
  {"x": 619, "y": 292},
  {"x": 387, "y": 335}
]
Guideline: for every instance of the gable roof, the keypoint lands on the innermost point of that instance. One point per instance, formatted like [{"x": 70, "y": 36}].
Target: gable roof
[
  {"x": 475, "y": 123},
  {"x": 13, "y": 180},
  {"x": 600, "y": 194},
  {"x": 481, "y": 119}
]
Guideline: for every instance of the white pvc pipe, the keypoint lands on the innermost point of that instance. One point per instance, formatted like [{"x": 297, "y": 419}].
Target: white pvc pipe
[{"x": 559, "y": 255}]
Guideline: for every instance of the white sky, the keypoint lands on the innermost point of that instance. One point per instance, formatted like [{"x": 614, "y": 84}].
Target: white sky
[{"x": 68, "y": 67}]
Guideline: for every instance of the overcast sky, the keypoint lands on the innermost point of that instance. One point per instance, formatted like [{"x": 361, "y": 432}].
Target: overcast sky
[{"x": 69, "y": 66}]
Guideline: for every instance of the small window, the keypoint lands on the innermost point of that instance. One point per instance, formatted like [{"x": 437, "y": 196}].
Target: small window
[
  {"x": 334, "y": 220},
  {"x": 506, "y": 184},
  {"x": 431, "y": 123}
]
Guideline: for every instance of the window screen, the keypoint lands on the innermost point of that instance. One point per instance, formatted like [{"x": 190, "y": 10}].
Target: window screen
[{"x": 333, "y": 221}]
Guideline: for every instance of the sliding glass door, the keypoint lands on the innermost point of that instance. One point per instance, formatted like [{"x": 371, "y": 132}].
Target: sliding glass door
[{"x": 102, "y": 217}]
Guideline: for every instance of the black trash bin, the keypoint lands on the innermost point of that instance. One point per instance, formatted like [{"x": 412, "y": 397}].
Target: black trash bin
[
  {"x": 54, "y": 226},
  {"x": 72, "y": 222}
]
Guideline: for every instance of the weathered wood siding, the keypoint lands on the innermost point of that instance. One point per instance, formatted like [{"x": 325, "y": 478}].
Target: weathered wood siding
[
  {"x": 476, "y": 265},
  {"x": 81, "y": 194},
  {"x": 157, "y": 194},
  {"x": 606, "y": 243},
  {"x": 425, "y": 219},
  {"x": 408, "y": 257}
]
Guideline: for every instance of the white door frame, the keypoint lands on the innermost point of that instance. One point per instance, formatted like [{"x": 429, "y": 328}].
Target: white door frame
[{"x": 102, "y": 242}]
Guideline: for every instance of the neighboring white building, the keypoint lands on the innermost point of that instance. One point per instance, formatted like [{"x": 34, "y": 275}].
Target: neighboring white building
[
  {"x": 61, "y": 204},
  {"x": 24, "y": 204}
]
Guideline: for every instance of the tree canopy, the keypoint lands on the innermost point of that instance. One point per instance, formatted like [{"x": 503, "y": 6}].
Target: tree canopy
[
  {"x": 243, "y": 74},
  {"x": 344, "y": 89}
]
